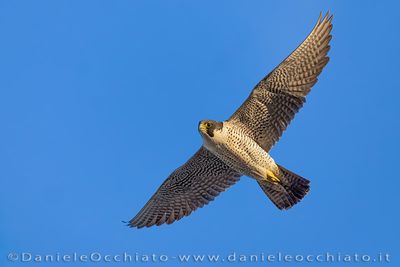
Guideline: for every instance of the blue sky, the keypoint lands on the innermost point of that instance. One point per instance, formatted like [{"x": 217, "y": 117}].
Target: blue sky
[{"x": 100, "y": 100}]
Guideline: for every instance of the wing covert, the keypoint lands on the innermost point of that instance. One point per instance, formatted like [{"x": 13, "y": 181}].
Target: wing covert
[
  {"x": 191, "y": 186},
  {"x": 276, "y": 99}
]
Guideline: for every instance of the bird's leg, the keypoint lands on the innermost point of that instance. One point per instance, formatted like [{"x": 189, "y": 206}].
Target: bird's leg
[{"x": 272, "y": 177}]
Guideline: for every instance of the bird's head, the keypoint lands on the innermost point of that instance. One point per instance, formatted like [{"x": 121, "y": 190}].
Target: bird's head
[{"x": 207, "y": 128}]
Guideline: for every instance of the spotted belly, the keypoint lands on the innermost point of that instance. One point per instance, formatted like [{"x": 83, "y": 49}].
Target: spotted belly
[{"x": 244, "y": 155}]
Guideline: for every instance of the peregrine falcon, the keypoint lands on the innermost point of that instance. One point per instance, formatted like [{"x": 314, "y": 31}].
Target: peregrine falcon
[{"x": 239, "y": 146}]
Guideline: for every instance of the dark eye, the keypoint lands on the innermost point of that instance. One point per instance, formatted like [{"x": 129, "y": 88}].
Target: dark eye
[{"x": 208, "y": 125}]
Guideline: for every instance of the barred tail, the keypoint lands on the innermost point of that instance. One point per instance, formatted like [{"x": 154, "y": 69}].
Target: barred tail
[{"x": 287, "y": 193}]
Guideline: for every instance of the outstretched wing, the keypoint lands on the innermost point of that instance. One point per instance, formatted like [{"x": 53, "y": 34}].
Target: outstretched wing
[
  {"x": 276, "y": 99},
  {"x": 191, "y": 186}
]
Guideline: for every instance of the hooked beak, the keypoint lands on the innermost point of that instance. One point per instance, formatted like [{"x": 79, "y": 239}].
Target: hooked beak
[{"x": 202, "y": 127}]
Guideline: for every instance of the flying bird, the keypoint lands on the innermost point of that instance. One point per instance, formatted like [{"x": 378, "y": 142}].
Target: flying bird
[{"x": 239, "y": 146}]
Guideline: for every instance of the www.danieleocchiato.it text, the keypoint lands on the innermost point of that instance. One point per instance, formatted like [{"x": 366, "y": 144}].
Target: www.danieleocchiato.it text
[{"x": 186, "y": 258}]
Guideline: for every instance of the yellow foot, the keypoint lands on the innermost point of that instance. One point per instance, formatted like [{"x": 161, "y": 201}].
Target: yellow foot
[{"x": 272, "y": 177}]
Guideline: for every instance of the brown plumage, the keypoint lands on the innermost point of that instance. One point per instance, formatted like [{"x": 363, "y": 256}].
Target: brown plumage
[
  {"x": 263, "y": 117},
  {"x": 276, "y": 99},
  {"x": 191, "y": 186}
]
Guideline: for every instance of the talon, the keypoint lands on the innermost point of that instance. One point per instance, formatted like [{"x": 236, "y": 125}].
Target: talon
[{"x": 272, "y": 176}]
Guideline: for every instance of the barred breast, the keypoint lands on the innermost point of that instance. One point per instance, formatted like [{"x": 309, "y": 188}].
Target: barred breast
[{"x": 242, "y": 153}]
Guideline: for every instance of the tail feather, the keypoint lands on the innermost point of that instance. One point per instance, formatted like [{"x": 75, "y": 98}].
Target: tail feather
[{"x": 290, "y": 191}]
